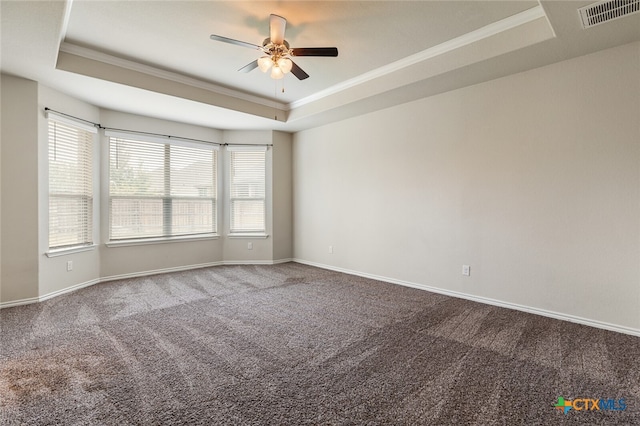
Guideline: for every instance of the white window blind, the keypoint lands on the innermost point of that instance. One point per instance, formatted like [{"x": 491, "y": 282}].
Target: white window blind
[
  {"x": 247, "y": 188},
  {"x": 70, "y": 184},
  {"x": 161, "y": 188}
]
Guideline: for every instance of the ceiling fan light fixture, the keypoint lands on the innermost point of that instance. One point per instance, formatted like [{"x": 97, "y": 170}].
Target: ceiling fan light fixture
[
  {"x": 285, "y": 65},
  {"x": 276, "y": 72},
  {"x": 265, "y": 63}
]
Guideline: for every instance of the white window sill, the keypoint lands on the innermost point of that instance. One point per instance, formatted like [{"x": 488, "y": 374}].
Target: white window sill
[
  {"x": 248, "y": 235},
  {"x": 70, "y": 250},
  {"x": 164, "y": 240}
]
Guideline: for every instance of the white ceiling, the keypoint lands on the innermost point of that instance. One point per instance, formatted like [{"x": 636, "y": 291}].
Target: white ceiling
[{"x": 156, "y": 58}]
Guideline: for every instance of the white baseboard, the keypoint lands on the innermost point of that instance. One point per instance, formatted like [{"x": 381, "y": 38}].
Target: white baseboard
[
  {"x": 47, "y": 296},
  {"x": 19, "y": 302},
  {"x": 248, "y": 262},
  {"x": 256, "y": 262},
  {"x": 159, "y": 271},
  {"x": 67, "y": 290},
  {"x": 485, "y": 300}
]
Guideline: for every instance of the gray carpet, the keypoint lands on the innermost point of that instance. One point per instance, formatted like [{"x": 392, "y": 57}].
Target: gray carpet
[{"x": 291, "y": 345}]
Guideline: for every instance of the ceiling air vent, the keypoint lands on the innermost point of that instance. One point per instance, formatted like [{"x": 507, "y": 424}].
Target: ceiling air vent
[{"x": 607, "y": 10}]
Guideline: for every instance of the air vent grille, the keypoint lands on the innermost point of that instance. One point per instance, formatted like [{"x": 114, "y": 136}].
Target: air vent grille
[{"x": 608, "y": 10}]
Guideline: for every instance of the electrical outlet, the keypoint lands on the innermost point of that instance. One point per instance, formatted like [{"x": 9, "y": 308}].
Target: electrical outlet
[
  {"x": 330, "y": 249},
  {"x": 466, "y": 270},
  {"x": 69, "y": 265},
  {"x": 250, "y": 246}
]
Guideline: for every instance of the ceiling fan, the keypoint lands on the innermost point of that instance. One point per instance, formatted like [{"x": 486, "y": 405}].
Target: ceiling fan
[{"x": 277, "y": 51}]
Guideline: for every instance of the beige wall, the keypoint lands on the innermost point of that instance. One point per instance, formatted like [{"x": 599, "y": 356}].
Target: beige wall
[
  {"x": 0, "y": 190},
  {"x": 282, "y": 196},
  {"x": 533, "y": 180},
  {"x": 19, "y": 190}
]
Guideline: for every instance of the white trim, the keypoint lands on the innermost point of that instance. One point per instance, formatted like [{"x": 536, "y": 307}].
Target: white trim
[
  {"x": 68, "y": 290},
  {"x": 430, "y": 53},
  {"x": 48, "y": 296},
  {"x": 159, "y": 271},
  {"x": 71, "y": 250},
  {"x": 249, "y": 262},
  {"x": 480, "y": 299},
  {"x": 19, "y": 302},
  {"x": 191, "y": 267},
  {"x": 65, "y": 22},
  {"x": 259, "y": 235},
  {"x": 163, "y": 240},
  {"x": 95, "y": 55}
]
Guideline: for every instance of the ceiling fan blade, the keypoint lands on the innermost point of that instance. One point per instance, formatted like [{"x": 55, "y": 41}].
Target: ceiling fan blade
[
  {"x": 249, "y": 67},
  {"x": 315, "y": 51},
  {"x": 277, "y": 25},
  {"x": 236, "y": 42},
  {"x": 298, "y": 72}
]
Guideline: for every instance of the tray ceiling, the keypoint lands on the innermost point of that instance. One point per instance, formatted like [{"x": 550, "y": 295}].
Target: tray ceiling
[{"x": 156, "y": 58}]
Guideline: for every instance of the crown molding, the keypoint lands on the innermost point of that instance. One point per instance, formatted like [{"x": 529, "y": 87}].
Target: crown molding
[
  {"x": 490, "y": 30},
  {"x": 65, "y": 22}
]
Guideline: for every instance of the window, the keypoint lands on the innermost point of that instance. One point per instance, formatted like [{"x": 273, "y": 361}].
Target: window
[
  {"x": 160, "y": 188},
  {"x": 70, "y": 184},
  {"x": 247, "y": 189}
]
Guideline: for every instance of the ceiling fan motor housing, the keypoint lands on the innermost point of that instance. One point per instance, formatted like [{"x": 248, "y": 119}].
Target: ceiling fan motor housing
[{"x": 276, "y": 50}]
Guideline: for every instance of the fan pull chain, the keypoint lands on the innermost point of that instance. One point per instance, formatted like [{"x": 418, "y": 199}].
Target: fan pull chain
[{"x": 275, "y": 96}]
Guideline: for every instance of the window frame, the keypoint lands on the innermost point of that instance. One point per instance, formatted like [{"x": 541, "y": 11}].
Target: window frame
[
  {"x": 240, "y": 233},
  {"x": 91, "y": 196},
  {"x": 166, "y": 197}
]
